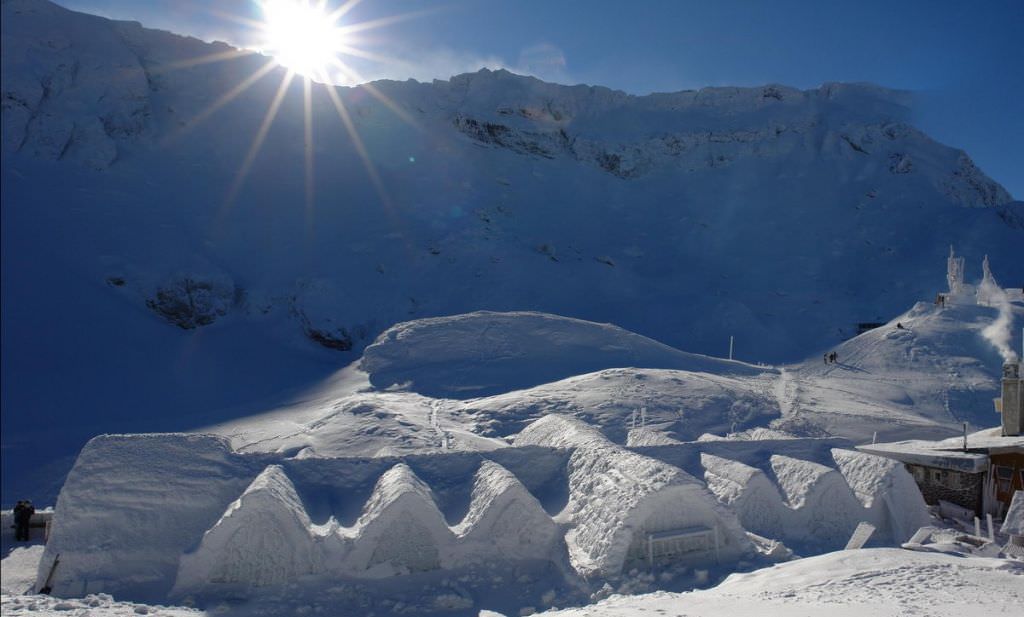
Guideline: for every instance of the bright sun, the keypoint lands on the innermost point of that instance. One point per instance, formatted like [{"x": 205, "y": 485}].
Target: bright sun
[{"x": 302, "y": 36}]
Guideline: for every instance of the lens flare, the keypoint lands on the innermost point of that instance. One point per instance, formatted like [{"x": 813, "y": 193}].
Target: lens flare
[{"x": 302, "y": 37}]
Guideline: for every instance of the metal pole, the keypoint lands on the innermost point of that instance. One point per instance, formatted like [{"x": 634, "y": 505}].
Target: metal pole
[{"x": 730, "y": 347}]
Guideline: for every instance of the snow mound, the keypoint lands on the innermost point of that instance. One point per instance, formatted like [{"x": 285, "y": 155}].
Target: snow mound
[
  {"x": 893, "y": 501},
  {"x": 554, "y": 431},
  {"x": 401, "y": 530},
  {"x": 504, "y": 520},
  {"x": 825, "y": 508},
  {"x": 482, "y": 353},
  {"x": 639, "y": 437},
  {"x": 263, "y": 538},
  {"x": 680, "y": 404},
  {"x": 749, "y": 493}
]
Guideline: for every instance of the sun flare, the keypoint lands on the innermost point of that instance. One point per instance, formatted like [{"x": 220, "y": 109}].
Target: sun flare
[{"x": 302, "y": 36}]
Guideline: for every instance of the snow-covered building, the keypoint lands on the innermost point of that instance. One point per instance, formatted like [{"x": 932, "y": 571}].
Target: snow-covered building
[
  {"x": 981, "y": 471},
  {"x": 626, "y": 507}
]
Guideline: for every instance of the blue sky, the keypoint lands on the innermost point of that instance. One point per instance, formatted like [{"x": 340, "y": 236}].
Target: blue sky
[{"x": 965, "y": 59}]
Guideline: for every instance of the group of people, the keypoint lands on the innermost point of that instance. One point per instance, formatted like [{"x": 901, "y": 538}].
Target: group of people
[
  {"x": 23, "y": 512},
  {"x": 832, "y": 357}
]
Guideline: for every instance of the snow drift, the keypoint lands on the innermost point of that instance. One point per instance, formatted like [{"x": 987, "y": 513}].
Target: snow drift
[{"x": 483, "y": 353}]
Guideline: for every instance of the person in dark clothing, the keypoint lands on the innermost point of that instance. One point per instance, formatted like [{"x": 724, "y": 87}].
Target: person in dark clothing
[
  {"x": 23, "y": 512},
  {"x": 825, "y": 357}
]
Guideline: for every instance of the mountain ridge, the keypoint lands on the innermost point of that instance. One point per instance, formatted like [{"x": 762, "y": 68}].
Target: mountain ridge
[{"x": 161, "y": 272}]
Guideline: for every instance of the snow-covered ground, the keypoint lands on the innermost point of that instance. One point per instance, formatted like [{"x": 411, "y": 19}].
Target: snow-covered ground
[{"x": 862, "y": 583}]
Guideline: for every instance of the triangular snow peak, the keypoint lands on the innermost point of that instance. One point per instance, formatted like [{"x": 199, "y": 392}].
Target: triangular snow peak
[
  {"x": 504, "y": 520},
  {"x": 892, "y": 500},
  {"x": 401, "y": 529},
  {"x": 263, "y": 538},
  {"x": 827, "y": 509},
  {"x": 748, "y": 492}
]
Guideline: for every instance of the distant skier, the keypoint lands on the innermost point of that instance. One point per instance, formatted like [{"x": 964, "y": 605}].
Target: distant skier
[
  {"x": 23, "y": 512},
  {"x": 899, "y": 325},
  {"x": 835, "y": 357},
  {"x": 825, "y": 358}
]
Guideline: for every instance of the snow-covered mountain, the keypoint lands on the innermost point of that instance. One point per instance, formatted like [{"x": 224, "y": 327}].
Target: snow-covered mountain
[{"x": 149, "y": 284}]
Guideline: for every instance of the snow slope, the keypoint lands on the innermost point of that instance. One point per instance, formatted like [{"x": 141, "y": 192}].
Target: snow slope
[
  {"x": 486, "y": 353},
  {"x": 148, "y": 285}
]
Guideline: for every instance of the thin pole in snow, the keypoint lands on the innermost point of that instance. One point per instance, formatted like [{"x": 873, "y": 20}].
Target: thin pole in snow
[
  {"x": 874, "y": 437},
  {"x": 730, "y": 347},
  {"x": 965, "y": 437}
]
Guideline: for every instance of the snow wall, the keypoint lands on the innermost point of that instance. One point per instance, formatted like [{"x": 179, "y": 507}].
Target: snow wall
[
  {"x": 153, "y": 516},
  {"x": 150, "y": 517}
]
